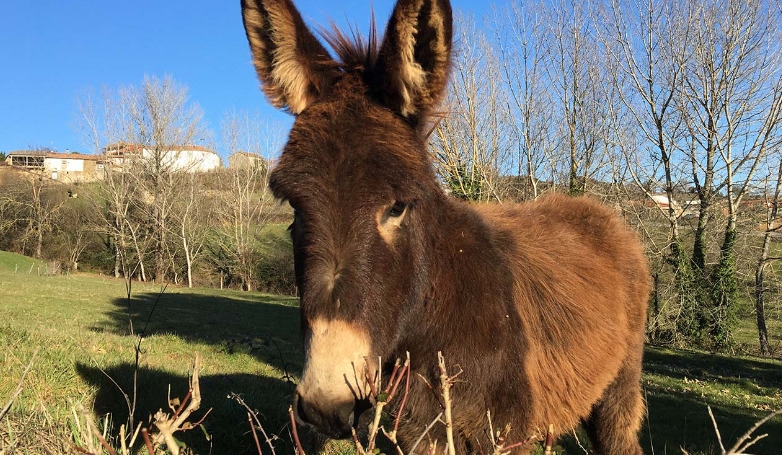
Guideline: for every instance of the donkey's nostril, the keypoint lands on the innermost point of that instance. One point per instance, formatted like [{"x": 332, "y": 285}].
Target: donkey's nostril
[
  {"x": 345, "y": 416},
  {"x": 335, "y": 421},
  {"x": 305, "y": 412}
]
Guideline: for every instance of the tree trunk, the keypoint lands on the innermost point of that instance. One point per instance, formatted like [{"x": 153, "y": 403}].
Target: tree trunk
[
  {"x": 39, "y": 242},
  {"x": 188, "y": 258},
  {"x": 724, "y": 284},
  {"x": 760, "y": 311},
  {"x": 699, "y": 244},
  {"x": 140, "y": 257},
  {"x": 117, "y": 257},
  {"x": 760, "y": 270}
]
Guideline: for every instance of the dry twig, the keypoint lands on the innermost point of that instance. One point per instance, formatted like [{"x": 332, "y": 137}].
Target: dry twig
[
  {"x": 744, "y": 442},
  {"x": 299, "y": 449},
  {"x": 254, "y": 422},
  {"x": 167, "y": 426},
  {"x": 383, "y": 397},
  {"x": 147, "y": 441},
  {"x": 499, "y": 440},
  {"x": 446, "y": 382},
  {"x": 549, "y": 440},
  {"x": 255, "y": 435}
]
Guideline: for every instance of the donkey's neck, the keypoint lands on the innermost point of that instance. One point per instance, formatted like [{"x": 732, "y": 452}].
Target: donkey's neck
[{"x": 471, "y": 283}]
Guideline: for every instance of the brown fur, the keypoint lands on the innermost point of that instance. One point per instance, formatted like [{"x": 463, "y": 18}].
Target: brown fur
[{"x": 542, "y": 305}]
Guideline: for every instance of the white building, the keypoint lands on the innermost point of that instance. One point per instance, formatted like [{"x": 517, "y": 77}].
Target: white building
[{"x": 188, "y": 158}]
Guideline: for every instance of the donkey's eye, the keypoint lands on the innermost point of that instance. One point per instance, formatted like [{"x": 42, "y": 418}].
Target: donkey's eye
[{"x": 397, "y": 209}]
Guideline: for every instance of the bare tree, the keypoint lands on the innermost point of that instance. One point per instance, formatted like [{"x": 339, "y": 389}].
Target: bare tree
[
  {"x": 765, "y": 259},
  {"x": 470, "y": 143},
  {"x": 162, "y": 121},
  {"x": 142, "y": 129},
  {"x": 75, "y": 228},
  {"x": 35, "y": 204},
  {"x": 732, "y": 108},
  {"x": 104, "y": 122},
  {"x": 522, "y": 47},
  {"x": 247, "y": 204},
  {"x": 575, "y": 67},
  {"x": 648, "y": 42},
  {"x": 648, "y": 46},
  {"x": 194, "y": 218}
]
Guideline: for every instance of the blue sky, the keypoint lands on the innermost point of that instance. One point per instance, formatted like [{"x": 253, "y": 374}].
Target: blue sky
[{"x": 53, "y": 51}]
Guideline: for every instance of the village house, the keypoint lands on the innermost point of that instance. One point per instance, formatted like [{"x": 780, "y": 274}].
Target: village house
[
  {"x": 187, "y": 158},
  {"x": 66, "y": 167}
]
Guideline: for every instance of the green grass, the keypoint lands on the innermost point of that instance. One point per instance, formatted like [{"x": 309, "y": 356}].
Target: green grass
[
  {"x": 740, "y": 390},
  {"x": 250, "y": 345},
  {"x": 19, "y": 264},
  {"x": 249, "y": 342}
]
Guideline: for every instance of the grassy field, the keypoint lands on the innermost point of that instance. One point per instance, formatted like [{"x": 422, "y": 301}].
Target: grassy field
[{"x": 250, "y": 345}]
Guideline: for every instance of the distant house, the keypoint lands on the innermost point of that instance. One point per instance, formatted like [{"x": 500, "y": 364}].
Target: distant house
[
  {"x": 66, "y": 167},
  {"x": 188, "y": 158},
  {"x": 662, "y": 201},
  {"x": 243, "y": 159},
  {"x": 688, "y": 209}
]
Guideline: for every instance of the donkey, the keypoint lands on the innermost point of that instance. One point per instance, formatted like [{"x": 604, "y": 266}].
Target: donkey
[{"x": 542, "y": 305}]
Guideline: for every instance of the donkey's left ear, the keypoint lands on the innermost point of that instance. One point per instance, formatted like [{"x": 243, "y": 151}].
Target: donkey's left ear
[
  {"x": 412, "y": 69},
  {"x": 294, "y": 68}
]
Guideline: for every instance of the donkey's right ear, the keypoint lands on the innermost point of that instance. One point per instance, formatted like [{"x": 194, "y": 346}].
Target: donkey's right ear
[{"x": 294, "y": 68}]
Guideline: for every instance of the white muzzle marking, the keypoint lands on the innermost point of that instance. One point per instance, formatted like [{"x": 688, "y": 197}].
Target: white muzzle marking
[{"x": 337, "y": 356}]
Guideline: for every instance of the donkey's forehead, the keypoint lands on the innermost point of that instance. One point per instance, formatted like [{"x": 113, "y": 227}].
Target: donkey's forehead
[{"x": 352, "y": 146}]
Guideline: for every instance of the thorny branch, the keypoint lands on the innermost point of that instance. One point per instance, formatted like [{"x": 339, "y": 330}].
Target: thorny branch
[
  {"x": 744, "y": 442},
  {"x": 255, "y": 423}
]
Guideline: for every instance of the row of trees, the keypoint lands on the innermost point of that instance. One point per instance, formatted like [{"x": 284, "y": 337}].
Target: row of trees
[
  {"x": 628, "y": 100},
  {"x": 150, "y": 217}
]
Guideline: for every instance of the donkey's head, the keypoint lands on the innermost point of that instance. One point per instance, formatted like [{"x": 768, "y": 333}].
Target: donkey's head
[{"x": 356, "y": 171}]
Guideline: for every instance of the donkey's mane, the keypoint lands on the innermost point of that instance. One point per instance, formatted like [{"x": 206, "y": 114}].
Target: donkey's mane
[{"x": 355, "y": 51}]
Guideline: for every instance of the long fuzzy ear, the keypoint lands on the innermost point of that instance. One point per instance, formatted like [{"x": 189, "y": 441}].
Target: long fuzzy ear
[
  {"x": 412, "y": 68},
  {"x": 294, "y": 68}
]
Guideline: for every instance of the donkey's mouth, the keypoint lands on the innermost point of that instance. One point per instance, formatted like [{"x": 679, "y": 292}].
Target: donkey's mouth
[{"x": 337, "y": 423}]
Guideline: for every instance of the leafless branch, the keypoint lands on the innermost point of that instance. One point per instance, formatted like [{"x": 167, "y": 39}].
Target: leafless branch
[
  {"x": 744, "y": 442},
  {"x": 299, "y": 449}
]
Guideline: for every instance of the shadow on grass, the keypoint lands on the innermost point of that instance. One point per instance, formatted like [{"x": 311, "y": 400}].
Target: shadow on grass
[
  {"x": 264, "y": 326},
  {"x": 725, "y": 369},
  {"x": 267, "y": 327},
  {"x": 678, "y": 416},
  {"x": 227, "y": 422}
]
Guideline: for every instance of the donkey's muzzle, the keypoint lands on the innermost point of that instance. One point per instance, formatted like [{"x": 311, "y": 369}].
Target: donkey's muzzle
[{"x": 335, "y": 421}]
